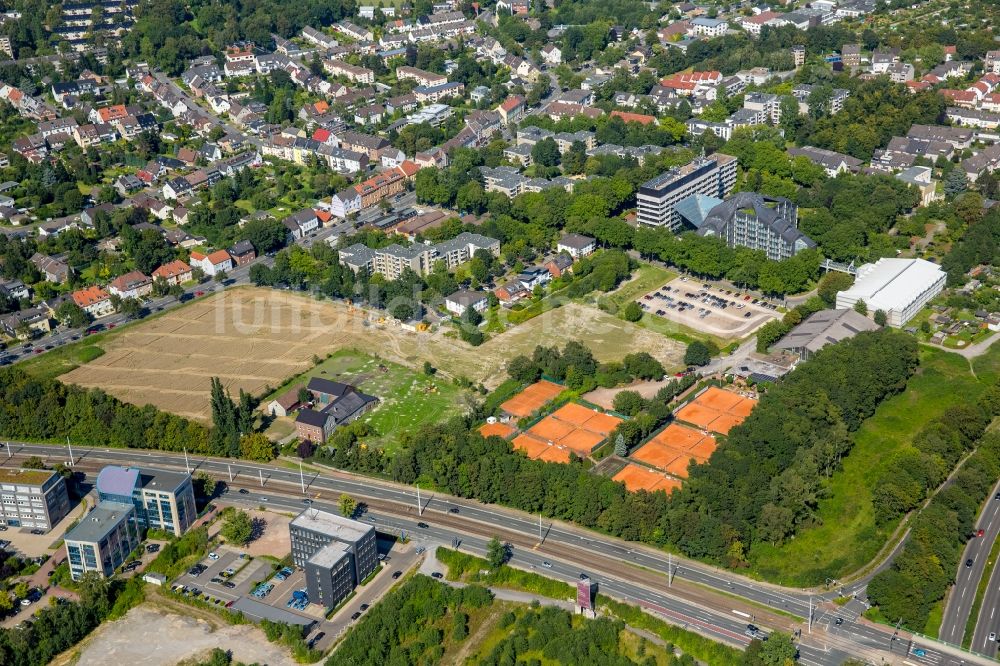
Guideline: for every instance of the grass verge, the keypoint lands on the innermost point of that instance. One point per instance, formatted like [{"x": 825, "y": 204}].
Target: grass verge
[
  {"x": 471, "y": 569},
  {"x": 846, "y": 536}
]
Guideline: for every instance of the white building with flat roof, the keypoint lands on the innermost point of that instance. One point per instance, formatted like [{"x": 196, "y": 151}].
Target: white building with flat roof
[{"x": 898, "y": 287}]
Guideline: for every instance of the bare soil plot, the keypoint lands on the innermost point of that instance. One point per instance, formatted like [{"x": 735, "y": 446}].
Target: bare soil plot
[{"x": 256, "y": 338}]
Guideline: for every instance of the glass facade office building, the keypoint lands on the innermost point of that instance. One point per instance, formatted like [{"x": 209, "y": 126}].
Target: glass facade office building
[
  {"x": 102, "y": 541},
  {"x": 163, "y": 500}
]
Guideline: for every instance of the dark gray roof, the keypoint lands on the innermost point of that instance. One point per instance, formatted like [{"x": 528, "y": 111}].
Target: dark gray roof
[
  {"x": 777, "y": 213},
  {"x": 320, "y": 385},
  {"x": 311, "y": 417},
  {"x": 576, "y": 241}
]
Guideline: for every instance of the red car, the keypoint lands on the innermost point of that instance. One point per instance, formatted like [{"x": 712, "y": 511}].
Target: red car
[
  {"x": 39, "y": 350},
  {"x": 199, "y": 293},
  {"x": 980, "y": 533},
  {"x": 112, "y": 325}
]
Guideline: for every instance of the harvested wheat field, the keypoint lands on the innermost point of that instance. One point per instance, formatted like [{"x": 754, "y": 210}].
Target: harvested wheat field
[{"x": 252, "y": 338}]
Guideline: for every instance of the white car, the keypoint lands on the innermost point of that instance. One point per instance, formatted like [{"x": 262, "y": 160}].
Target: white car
[
  {"x": 213, "y": 556},
  {"x": 993, "y": 636}
]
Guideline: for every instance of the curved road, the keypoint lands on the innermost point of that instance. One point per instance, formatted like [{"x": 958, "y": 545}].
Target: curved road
[{"x": 829, "y": 643}]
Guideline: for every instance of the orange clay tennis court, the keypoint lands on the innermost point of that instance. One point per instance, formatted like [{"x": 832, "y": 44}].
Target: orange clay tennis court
[
  {"x": 535, "y": 448},
  {"x": 636, "y": 477},
  {"x": 717, "y": 410},
  {"x": 531, "y": 399},
  {"x": 672, "y": 448},
  {"x": 498, "y": 429}
]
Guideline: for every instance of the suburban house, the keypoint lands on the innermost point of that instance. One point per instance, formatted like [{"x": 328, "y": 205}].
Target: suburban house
[
  {"x": 534, "y": 277},
  {"x": 94, "y": 301},
  {"x": 216, "y": 262},
  {"x": 511, "y": 292},
  {"x": 242, "y": 253},
  {"x": 576, "y": 245},
  {"x": 334, "y": 404},
  {"x": 53, "y": 269},
  {"x": 174, "y": 272},
  {"x": 302, "y": 223},
  {"x": 24, "y": 323},
  {"x": 131, "y": 285},
  {"x": 464, "y": 299},
  {"x": 559, "y": 264}
]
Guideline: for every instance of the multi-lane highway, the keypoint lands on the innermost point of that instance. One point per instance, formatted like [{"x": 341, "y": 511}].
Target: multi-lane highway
[
  {"x": 617, "y": 564},
  {"x": 970, "y": 572}
]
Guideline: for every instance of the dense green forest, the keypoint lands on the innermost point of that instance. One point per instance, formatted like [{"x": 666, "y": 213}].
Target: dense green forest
[{"x": 48, "y": 410}]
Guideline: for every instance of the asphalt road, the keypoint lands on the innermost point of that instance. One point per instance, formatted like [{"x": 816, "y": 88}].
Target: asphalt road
[
  {"x": 963, "y": 593},
  {"x": 829, "y": 643}
]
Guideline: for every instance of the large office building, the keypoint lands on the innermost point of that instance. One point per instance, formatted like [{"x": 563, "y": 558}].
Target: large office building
[
  {"x": 898, "y": 287},
  {"x": 163, "y": 500},
  {"x": 748, "y": 219},
  {"x": 336, "y": 553},
  {"x": 34, "y": 498},
  {"x": 102, "y": 541},
  {"x": 712, "y": 176}
]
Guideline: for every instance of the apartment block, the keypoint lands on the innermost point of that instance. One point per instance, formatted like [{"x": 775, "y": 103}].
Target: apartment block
[{"x": 713, "y": 176}]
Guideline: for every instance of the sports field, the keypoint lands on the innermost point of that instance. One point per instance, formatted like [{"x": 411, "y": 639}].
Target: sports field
[
  {"x": 637, "y": 477},
  {"x": 532, "y": 398},
  {"x": 717, "y": 410},
  {"x": 571, "y": 428},
  {"x": 256, "y": 338}
]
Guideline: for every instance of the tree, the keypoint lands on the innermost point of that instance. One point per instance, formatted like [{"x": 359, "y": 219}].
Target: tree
[
  {"x": 257, "y": 447},
  {"x": 472, "y": 316},
  {"x": 347, "y": 505},
  {"x": 880, "y": 317},
  {"x": 72, "y": 315},
  {"x": 545, "y": 152},
  {"x": 130, "y": 307},
  {"x": 779, "y": 650},
  {"x": 861, "y": 307},
  {"x": 497, "y": 553},
  {"x": 523, "y": 369},
  {"x": 629, "y": 402},
  {"x": 34, "y": 462},
  {"x": 632, "y": 312},
  {"x": 955, "y": 182},
  {"x": 21, "y": 590},
  {"x": 621, "y": 448},
  {"x": 429, "y": 369},
  {"x": 832, "y": 283},
  {"x": 206, "y": 483},
  {"x": 238, "y": 528},
  {"x": 697, "y": 354}
]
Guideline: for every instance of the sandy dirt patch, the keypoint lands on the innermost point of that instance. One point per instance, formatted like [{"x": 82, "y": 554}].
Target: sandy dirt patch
[
  {"x": 148, "y": 636},
  {"x": 256, "y": 338}
]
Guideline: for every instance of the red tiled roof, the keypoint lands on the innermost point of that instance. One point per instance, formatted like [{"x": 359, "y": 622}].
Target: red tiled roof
[
  {"x": 218, "y": 257},
  {"x": 89, "y": 296},
  {"x": 321, "y": 135},
  {"x": 173, "y": 269},
  {"x": 512, "y": 103},
  {"x": 634, "y": 117}
]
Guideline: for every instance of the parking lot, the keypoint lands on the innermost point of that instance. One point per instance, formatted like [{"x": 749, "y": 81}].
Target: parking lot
[
  {"x": 722, "y": 313},
  {"x": 227, "y": 577}
]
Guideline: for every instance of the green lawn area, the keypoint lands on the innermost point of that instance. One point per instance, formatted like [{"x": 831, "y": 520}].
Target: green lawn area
[
  {"x": 847, "y": 537},
  {"x": 646, "y": 278},
  {"x": 409, "y": 399}
]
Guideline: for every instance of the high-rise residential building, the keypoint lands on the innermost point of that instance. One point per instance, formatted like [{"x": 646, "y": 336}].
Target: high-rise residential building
[
  {"x": 713, "y": 176},
  {"x": 34, "y": 498},
  {"x": 102, "y": 541},
  {"x": 748, "y": 219},
  {"x": 336, "y": 553},
  {"x": 163, "y": 500}
]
